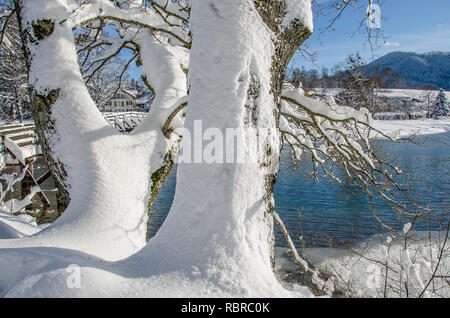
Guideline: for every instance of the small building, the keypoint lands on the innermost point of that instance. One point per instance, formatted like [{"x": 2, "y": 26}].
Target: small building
[{"x": 123, "y": 101}]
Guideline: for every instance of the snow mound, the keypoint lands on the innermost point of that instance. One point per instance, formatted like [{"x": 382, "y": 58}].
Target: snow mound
[{"x": 16, "y": 226}]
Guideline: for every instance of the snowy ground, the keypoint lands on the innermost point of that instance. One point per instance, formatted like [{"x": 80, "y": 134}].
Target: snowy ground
[
  {"x": 359, "y": 276},
  {"x": 16, "y": 226},
  {"x": 99, "y": 278},
  {"x": 358, "y": 272}
]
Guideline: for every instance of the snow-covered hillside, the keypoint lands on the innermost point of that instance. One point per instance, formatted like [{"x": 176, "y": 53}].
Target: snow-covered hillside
[{"x": 418, "y": 69}]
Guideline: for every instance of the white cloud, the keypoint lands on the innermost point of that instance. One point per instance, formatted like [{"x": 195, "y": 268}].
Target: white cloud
[
  {"x": 443, "y": 26},
  {"x": 391, "y": 44}
]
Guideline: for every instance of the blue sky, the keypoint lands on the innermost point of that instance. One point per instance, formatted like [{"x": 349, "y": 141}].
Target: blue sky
[{"x": 411, "y": 26}]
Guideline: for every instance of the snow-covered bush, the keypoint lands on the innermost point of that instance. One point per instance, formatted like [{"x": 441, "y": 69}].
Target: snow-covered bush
[{"x": 409, "y": 264}]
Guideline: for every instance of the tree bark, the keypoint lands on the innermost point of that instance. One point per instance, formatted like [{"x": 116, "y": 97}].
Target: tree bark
[
  {"x": 41, "y": 105},
  {"x": 286, "y": 42}
]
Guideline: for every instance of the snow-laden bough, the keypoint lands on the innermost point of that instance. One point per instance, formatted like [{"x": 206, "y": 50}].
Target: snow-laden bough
[{"x": 110, "y": 177}]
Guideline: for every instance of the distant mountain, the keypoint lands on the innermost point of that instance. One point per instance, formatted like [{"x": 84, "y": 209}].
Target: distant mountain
[{"x": 418, "y": 70}]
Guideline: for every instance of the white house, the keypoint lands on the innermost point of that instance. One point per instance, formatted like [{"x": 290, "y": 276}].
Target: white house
[{"x": 123, "y": 101}]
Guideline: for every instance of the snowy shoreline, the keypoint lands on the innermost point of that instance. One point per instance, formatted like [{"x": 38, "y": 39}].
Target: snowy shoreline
[{"x": 406, "y": 128}]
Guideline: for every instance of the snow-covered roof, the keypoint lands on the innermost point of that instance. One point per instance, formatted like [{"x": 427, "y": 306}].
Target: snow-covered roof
[
  {"x": 145, "y": 98},
  {"x": 132, "y": 92},
  {"x": 408, "y": 93},
  {"x": 394, "y": 95}
]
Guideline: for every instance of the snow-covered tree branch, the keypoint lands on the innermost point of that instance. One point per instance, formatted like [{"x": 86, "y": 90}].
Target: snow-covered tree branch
[
  {"x": 338, "y": 139},
  {"x": 79, "y": 144}
]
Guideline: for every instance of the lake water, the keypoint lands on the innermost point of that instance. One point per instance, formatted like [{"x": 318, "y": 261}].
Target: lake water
[{"x": 326, "y": 213}]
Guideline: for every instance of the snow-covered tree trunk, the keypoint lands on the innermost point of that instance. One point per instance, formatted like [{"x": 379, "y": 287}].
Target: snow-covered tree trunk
[
  {"x": 221, "y": 219},
  {"x": 110, "y": 177},
  {"x": 41, "y": 104}
]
